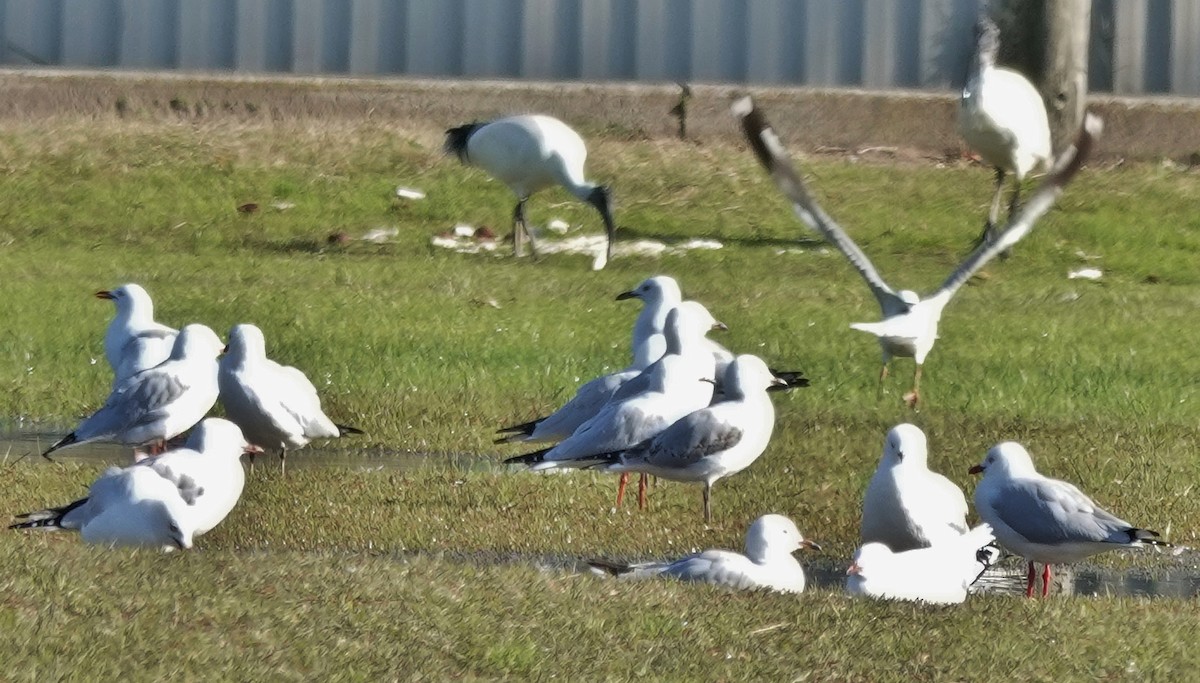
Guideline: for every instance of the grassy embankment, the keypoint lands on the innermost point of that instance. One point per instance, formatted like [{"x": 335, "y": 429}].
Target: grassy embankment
[{"x": 1097, "y": 379}]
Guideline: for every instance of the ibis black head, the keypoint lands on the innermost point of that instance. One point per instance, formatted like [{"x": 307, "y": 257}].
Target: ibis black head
[
  {"x": 456, "y": 139},
  {"x": 601, "y": 198}
]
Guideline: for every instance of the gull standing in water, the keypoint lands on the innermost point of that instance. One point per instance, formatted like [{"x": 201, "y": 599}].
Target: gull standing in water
[
  {"x": 909, "y": 327},
  {"x": 940, "y": 574},
  {"x": 133, "y": 341},
  {"x": 275, "y": 405},
  {"x": 907, "y": 505},
  {"x": 159, "y": 403},
  {"x": 1046, "y": 520},
  {"x": 673, "y": 386},
  {"x": 712, "y": 442},
  {"x": 658, "y": 295},
  {"x": 767, "y": 564}
]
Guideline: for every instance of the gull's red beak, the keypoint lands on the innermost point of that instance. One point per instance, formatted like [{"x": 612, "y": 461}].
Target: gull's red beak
[
  {"x": 105, "y": 294},
  {"x": 975, "y": 469}
]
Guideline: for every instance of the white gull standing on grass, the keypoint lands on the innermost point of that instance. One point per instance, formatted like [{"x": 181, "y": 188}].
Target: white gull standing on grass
[
  {"x": 158, "y": 403},
  {"x": 658, "y": 295},
  {"x": 211, "y": 458},
  {"x": 133, "y": 341},
  {"x": 940, "y": 574},
  {"x": 140, "y": 505},
  {"x": 275, "y": 405},
  {"x": 767, "y": 564},
  {"x": 909, "y": 327},
  {"x": 907, "y": 505},
  {"x": 673, "y": 386},
  {"x": 714, "y": 441},
  {"x": 1046, "y": 520}
]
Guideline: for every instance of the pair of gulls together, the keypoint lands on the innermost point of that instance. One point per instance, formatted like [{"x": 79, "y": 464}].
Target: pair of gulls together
[
  {"x": 910, "y": 510},
  {"x": 167, "y": 381},
  {"x": 917, "y": 545},
  {"x": 686, "y": 410}
]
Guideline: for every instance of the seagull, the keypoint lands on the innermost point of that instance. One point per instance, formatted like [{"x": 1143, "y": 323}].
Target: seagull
[
  {"x": 1046, "y": 520},
  {"x": 907, "y": 506},
  {"x": 673, "y": 386},
  {"x": 211, "y": 458},
  {"x": 275, "y": 405},
  {"x": 140, "y": 505},
  {"x": 1003, "y": 118},
  {"x": 768, "y": 562},
  {"x": 158, "y": 403},
  {"x": 909, "y": 327},
  {"x": 659, "y": 295},
  {"x": 940, "y": 574},
  {"x": 528, "y": 153},
  {"x": 133, "y": 341},
  {"x": 714, "y": 441}
]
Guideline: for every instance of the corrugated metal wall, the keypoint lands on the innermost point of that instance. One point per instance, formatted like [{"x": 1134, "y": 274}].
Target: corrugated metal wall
[{"x": 1138, "y": 46}]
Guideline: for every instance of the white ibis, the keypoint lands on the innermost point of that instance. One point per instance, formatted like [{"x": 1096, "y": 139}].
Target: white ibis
[
  {"x": 1046, "y": 520},
  {"x": 909, "y": 325},
  {"x": 528, "y": 153},
  {"x": 275, "y": 405},
  {"x": 1002, "y": 117},
  {"x": 941, "y": 574}
]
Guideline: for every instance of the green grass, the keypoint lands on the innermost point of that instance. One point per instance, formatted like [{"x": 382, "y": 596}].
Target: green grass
[{"x": 1098, "y": 379}]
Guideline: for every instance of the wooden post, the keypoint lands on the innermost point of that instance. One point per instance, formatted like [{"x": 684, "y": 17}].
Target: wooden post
[{"x": 1064, "y": 86}]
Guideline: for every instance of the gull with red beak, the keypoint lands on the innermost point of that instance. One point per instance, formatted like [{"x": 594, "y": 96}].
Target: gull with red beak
[
  {"x": 134, "y": 341},
  {"x": 767, "y": 565},
  {"x": 1046, "y": 520}
]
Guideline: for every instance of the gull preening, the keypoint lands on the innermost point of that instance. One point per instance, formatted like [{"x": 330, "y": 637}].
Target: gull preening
[
  {"x": 276, "y": 406},
  {"x": 673, "y": 386},
  {"x": 909, "y": 327},
  {"x": 140, "y": 505},
  {"x": 528, "y": 153},
  {"x": 1002, "y": 117},
  {"x": 1046, "y": 520},
  {"x": 211, "y": 458},
  {"x": 658, "y": 296},
  {"x": 713, "y": 442},
  {"x": 158, "y": 403},
  {"x": 134, "y": 341},
  {"x": 941, "y": 574},
  {"x": 907, "y": 505},
  {"x": 767, "y": 564}
]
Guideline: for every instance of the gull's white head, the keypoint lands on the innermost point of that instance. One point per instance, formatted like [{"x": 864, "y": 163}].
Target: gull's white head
[
  {"x": 216, "y": 435},
  {"x": 1006, "y": 459},
  {"x": 131, "y": 301},
  {"x": 660, "y": 289},
  {"x": 246, "y": 341},
  {"x": 170, "y": 521},
  {"x": 748, "y": 374},
  {"x": 909, "y": 297},
  {"x": 197, "y": 341},
  {"x": 905, "y": 446},
  {"x": 868, "y": 559},
  {"x": 689, "y": 320},
  {"x": 774, "y": 535}
]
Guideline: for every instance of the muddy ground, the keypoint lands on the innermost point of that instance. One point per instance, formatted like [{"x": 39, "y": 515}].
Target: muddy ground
[{"x": 901, "y": 124}]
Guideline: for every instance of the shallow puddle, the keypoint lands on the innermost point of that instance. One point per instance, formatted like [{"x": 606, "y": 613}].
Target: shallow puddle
[{"x": 1180, "y": 579}]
